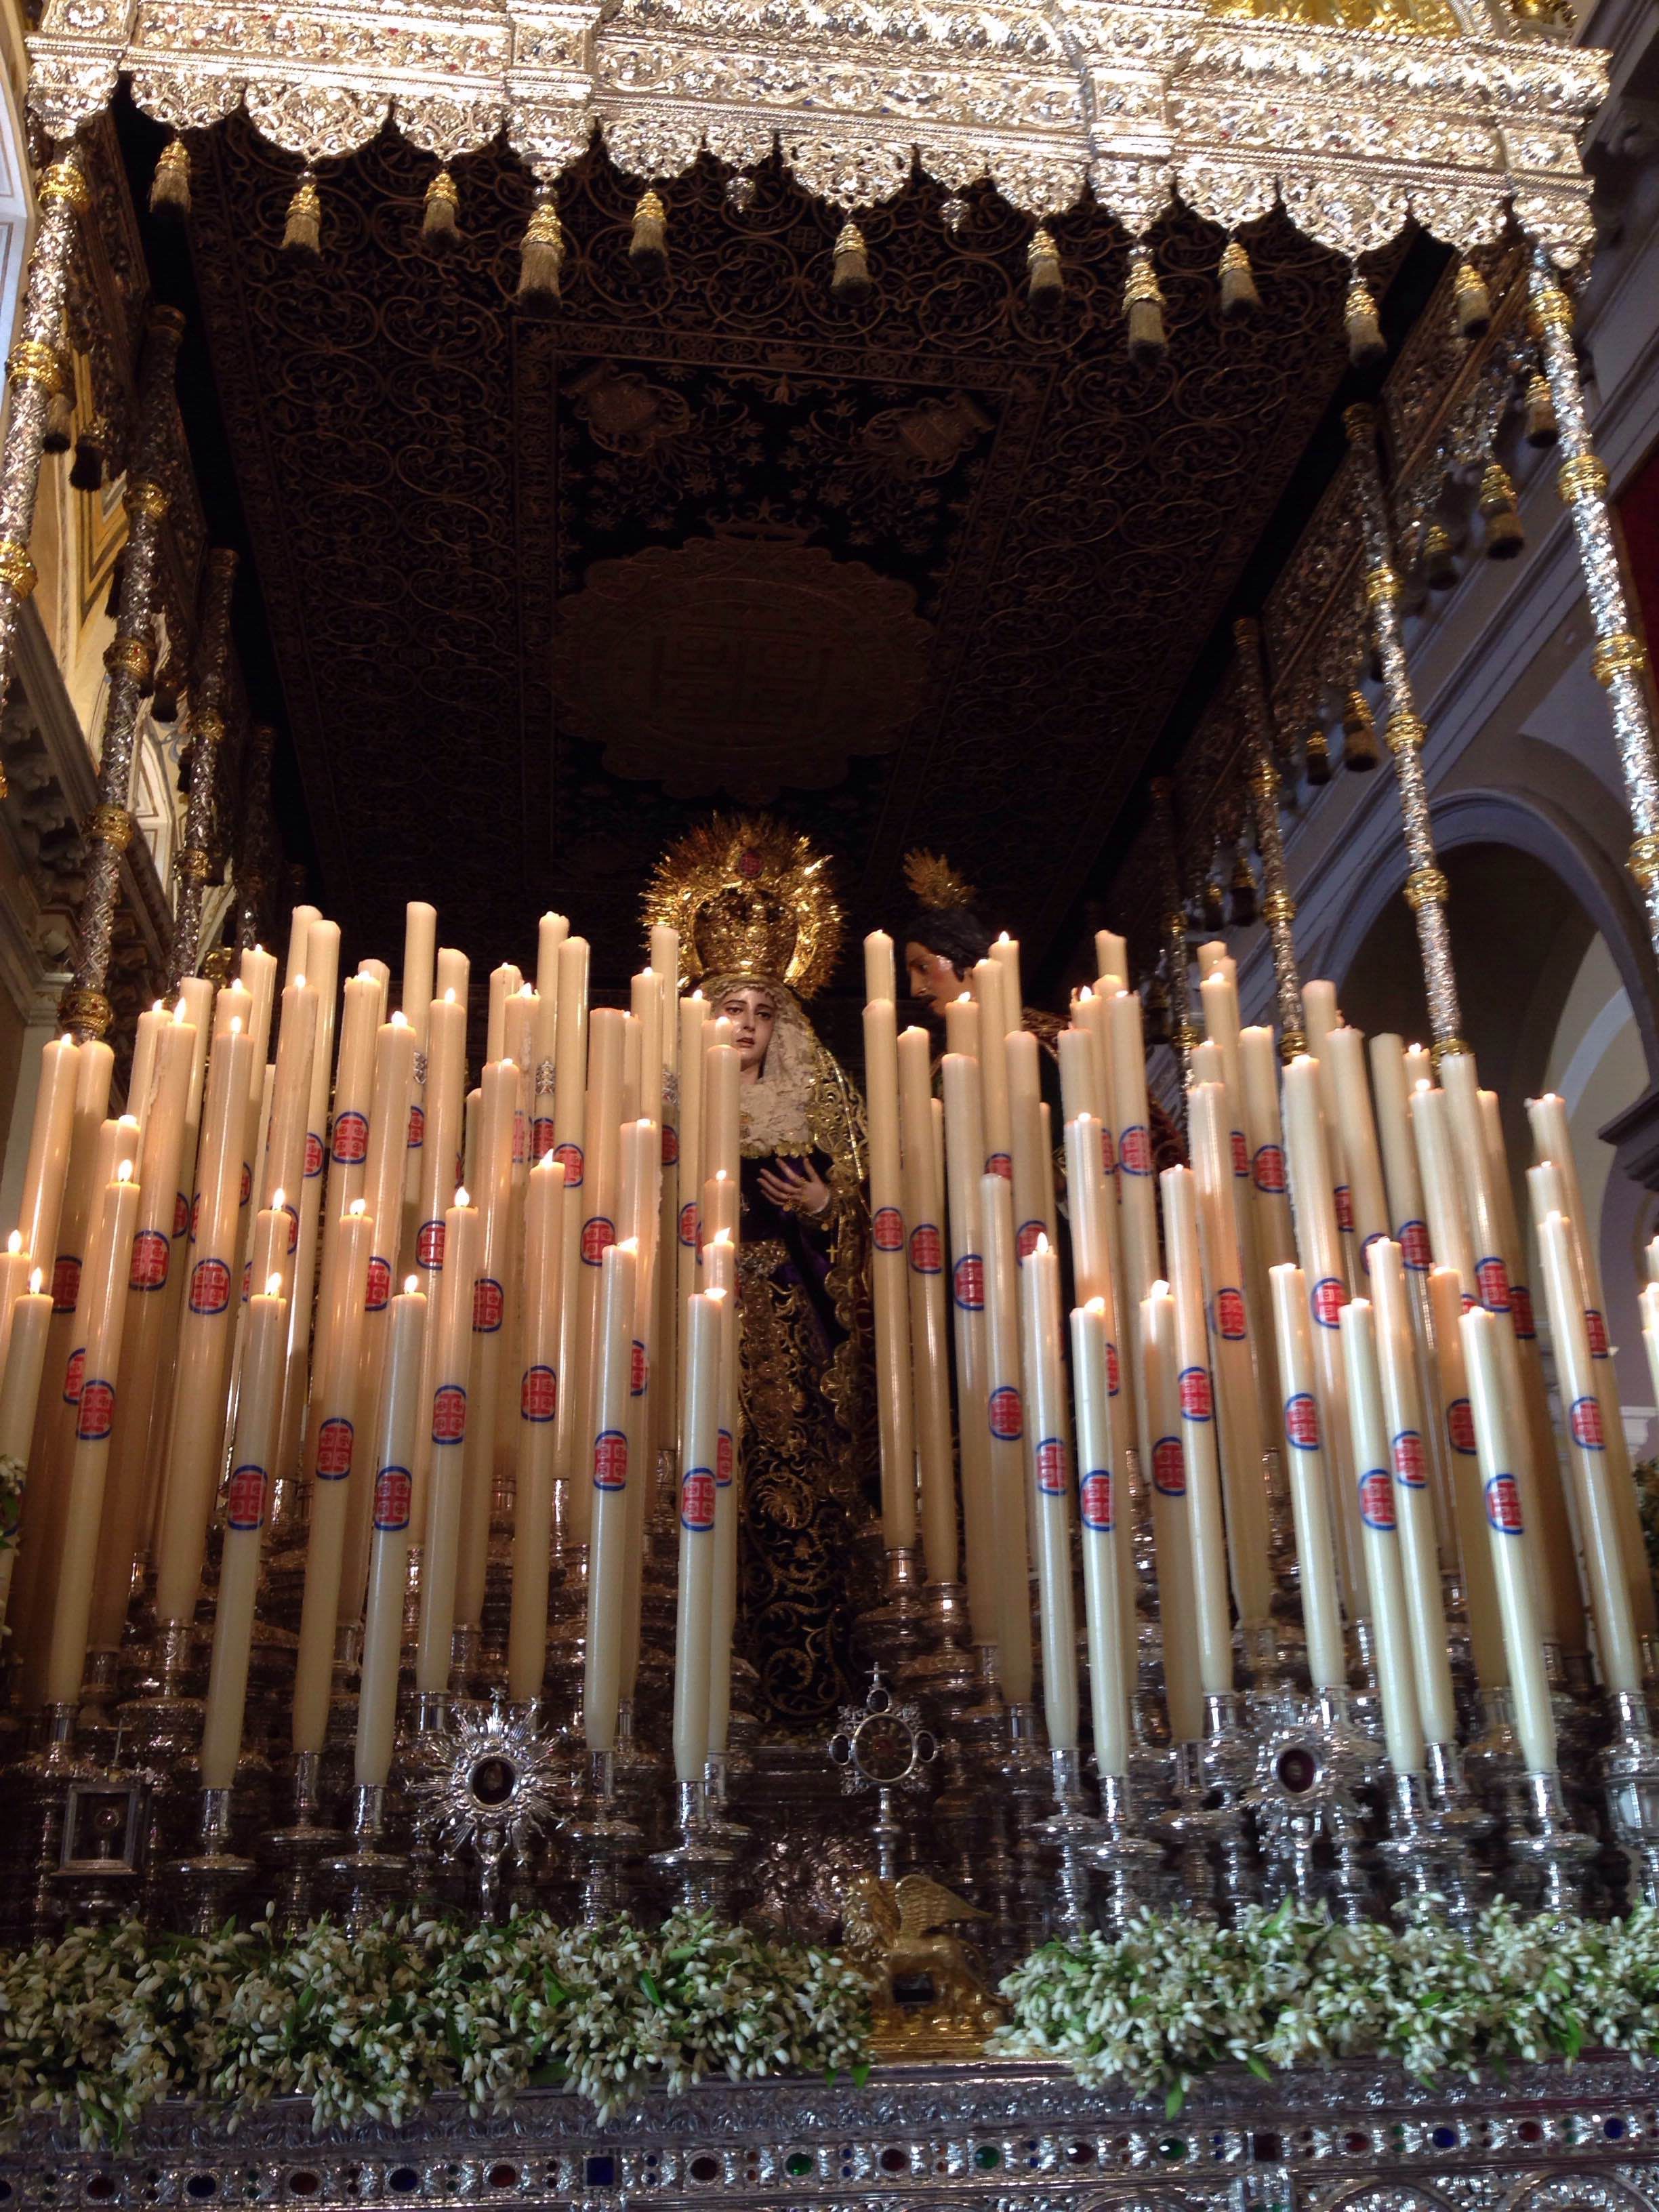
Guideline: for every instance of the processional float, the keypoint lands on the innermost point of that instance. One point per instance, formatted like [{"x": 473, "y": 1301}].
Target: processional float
[{"x": 1267, "y": 1433}]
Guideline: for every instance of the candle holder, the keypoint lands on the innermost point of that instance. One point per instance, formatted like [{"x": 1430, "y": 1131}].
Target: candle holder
[
  {"x": 163, "y": 1723},
  {"x": 1022, "y": 1766},
  {"x": 368, "y": 1876},
  {"x": 1073, "y": 1830},
  {"x": 1227, "y": 1760},
  {"x": 1187, "y": 1824},
  {"x": 1364, "y": 1691},
  {"x": 1630, "y": 1772},
  {"x": 1426, "y": 1860},
  {"x": 1129, "y": 1862},
  {"x": 1305, "y": 1790},
  {"x": 894, "y": 1632},
  {"x": 1495, "y": 1766},
  {"x": 944, "y": 1671},
  {"x": 637, "y": 1768},
  {"x": 297, "y": 1851},
  {"x": 1266, "y": 1653},
  {"x": 700, "y": 1865},
  {"x": 1550, "y": 1852},
  {"x": 605, "y": 1840},
  {"x": 208, "y": 1880}
]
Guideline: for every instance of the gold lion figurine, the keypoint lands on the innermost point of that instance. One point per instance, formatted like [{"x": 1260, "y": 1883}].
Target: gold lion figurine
[{"x": 896, "y": 1932}]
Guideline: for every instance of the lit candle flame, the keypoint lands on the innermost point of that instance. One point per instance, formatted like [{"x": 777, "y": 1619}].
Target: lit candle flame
[
  {"x": 37, "y": 1276},
  {"x": 400, "y": 1021},
  {"x": 358, "y": 1205},
  {"x": 276, "y": 1200},
  {"x": 463, "y": 1196},
  {"x": 1160, "y": 1290},
  {"x": 411, "y": 1283},
  {"x": 15, "y": 1242},
  {"x": 123, "y": 1171},
  {"x": 273, "y": 1286},
  {"x": 449, "y": 996},
  {"x": 1097, "y": 1306}
]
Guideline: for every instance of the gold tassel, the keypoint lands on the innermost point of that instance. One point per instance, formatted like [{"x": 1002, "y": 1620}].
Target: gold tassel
[
  {"x": 1365, "y": 342},
  {"x": 1143, "y": 304},
  {"x": 1505, "y": 535},
  {"x": 1242, "y": 903},
  {"x": 1473, "y": 302},
  {"x": 302, "y": 233},
  {"x": 647, "y": 249},
  {"x": 1045, "y": 281},
  {"x": 1359, "y": 747},
  {"x": 1317, "y": 759},
  {"x": 1439, "y": 563},
  {"x": 1212, "y": 905},
  {"x": 87, "y": 469},
  {"x": 1541, "y": 427},
  {"x": 440, "y": 231},
  {"x": 541, "y": 258},
  {"x": 1240, "y": 301},
  {"x": 850, "y": 283},
  {"x": 169, "y": 188}
]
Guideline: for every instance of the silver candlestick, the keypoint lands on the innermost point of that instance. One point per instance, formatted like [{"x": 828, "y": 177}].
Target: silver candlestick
[
  {"x": 1127, "y": 1861},
  {"x": 1556, "y": 1854},
  {"x": 1630, "y": 1770},
  {"x": 700, "y": 1864},
  {"x": 1073, "y": 1831},
  {"x": 605, "y": 1841},
  {"x": 213, "y": 1874}
]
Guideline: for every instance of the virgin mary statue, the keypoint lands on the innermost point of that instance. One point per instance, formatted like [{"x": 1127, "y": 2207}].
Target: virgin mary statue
[{"x": 759, "y": 929}]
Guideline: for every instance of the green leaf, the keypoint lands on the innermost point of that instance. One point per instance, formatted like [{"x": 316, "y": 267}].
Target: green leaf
[
  {"x": 553, "y": 1989},
  {"x": 647, "y": 1982},
  {"x": 452, "y": 2036},
  {"x": 1174, "y": 2099},
  {"x": 861, "y": 2073},
  {"x": 1262, "y": 2073}
]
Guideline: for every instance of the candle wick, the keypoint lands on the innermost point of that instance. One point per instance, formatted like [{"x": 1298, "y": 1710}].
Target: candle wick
[{"x": 411, "y": 1283}]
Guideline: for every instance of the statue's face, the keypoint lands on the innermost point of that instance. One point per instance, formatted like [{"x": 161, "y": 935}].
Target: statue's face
[
  {"x": 752, "y": 1011},
  {"x": 933, "y": 978}
]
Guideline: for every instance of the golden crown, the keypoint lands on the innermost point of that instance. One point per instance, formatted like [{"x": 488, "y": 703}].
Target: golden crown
[
  {"x": 748, "y": 896},
  {"x": 934, "y": 884}
]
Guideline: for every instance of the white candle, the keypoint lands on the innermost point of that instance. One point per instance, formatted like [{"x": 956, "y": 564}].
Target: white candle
[
  {"x": 147, "y": 1336},
  {"x": 1402, "y": 1726},
  {"x": 1048, "y": 1463},
  {"x": 880, "y": 972},
  {"x": 964, "y": 1155},
  {"x": 396, "y": 1422},
  {"x": 1318, "y": 1243},
  {"x": 889, "y": 1279},
  {"x": 49, "y": 1136},
  {"x": 246, "y": 1497},
  {"x": 1442, "y": 1192},
  {"x": 1615, "y": 1623},
  {"x": 1100, "y": 1462},
  {"x": 1131, "y": 1117},
  {"x": 720, "y": 1272},
  {"x": 1494, "y": 1432},
  {"x": 1408, "y": 1464},
  {"x": 930, "y": 1371},
  {"x": 1321, "y": 1018},
  {"x": 20, "y": 1396},
  {"x": 569, "y": 1110},
  {"x": 205, "y": 1328},
  {"x": 539, "y": 1402},
  {"x": 448, "y": 1367},
  {"x": 1548, "y": 1118},
  {"x": 1166, "y": 1461},
  {"x": 995, "y": 1025},
  {"x": 1111, "y": 955},
  {"x": 1003, "y": 1416},
  {"x": 639, "y": 1210},
  {"x": 1309, "y": 1484},
  {"x": 347, "y": 1130},
  {"x": 330, "y": 1450},
  {"x": 1258, "y": 1063},
  {"x": 688, "y": 1228},
  {"x": 1195, "y": 1394},
  {"x": 1033, "y": 1214},
  {"x": 101, "y": 1318},
  {"x": 492, "y": 1194},
  {"x": 1241, "y": 1447},
  {"x": 1468, "y": 1496},
  {"x": 695, "y": 1602},
  {"x": 607, "y": 1562}
]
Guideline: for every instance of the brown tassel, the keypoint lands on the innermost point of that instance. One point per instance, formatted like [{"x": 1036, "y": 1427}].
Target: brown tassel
[
  {"x": 1365, "y": 342},
  {"x": 1359, "y": 746},
  {"x": 1240, "y": 301},
  {"x": 1473, "y": 302},
  {"x": 169, "y": 188},
  {"x": 541, "y": 258},
  {"x": 302, "y": 234},
  {"x": 1212, "y": 906},
  {"x": 1541, "y": 426},
  {"x": 1155, "y": 1021},
  {"x": 440, "y": 231},
  {"x": 850, "y": 283},
  {"x": 1242, "y": 902},
  {"x": 647, "y": 249},
  {"x": 1317, "y": 759},
  {"x": 1143, "y": 303},
  {"x": 169, "y": 685},
  {"x": 87, "y": 470},
  {"x": 59, "y": 432},
  {"x": 1505, "y": 535},
  {"x": 1045, "y": 281},
  {"x": 1439, "y": 563}
]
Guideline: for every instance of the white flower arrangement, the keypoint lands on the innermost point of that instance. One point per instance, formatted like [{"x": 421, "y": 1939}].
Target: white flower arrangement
[
  {"x": 368, "y": 2024},
  {"x": 13, "y": 1476},
  {"x": 1176, "y": 1996}
]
